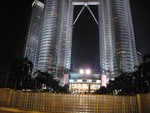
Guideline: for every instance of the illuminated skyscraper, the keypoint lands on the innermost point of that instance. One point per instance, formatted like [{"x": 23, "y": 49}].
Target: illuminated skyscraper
[
  {"x": 116, "y": 36},
  {"x": 34, "y": 33},
  {"x": 55, "y": 49},
  {"x": 117, "y": 43}
]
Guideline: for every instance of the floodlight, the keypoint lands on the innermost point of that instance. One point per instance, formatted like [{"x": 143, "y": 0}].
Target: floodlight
[
  {"x": 81, "y": 71},
  {"x": 88, "y": 71}
]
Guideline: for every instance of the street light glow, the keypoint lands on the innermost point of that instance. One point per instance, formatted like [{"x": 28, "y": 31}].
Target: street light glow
[
  {"x": 88, "y": 71},
  {"x": 81, "y": 71}
]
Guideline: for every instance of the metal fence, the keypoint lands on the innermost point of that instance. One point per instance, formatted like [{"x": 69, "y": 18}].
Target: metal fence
[{"x": 74, "y": 103}]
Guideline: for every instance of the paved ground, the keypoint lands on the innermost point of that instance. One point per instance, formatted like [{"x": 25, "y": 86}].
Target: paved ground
[{"x": 14, "y": 110}]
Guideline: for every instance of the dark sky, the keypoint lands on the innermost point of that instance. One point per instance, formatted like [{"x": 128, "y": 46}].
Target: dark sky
[
  {"x": 15, "y": 16},
  {"x": 85, "y": 44}
]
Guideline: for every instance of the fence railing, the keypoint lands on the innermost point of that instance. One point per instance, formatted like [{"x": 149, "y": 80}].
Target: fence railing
[{"x": 74, "y": 103}]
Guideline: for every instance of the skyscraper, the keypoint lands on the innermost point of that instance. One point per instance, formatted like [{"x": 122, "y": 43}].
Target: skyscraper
[
  {"x": 34, "y": 33},
  {"x": 116, "y": 36},
  {"x": 55, "y": 47}
]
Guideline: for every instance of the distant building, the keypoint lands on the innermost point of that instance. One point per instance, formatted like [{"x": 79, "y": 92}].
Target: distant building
[{"x": 49, "y": 47}]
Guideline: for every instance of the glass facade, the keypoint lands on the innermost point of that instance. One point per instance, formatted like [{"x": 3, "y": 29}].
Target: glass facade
[
  {"x": 117, "y": 43},
  {"x": 125, "y": 55},
  {"x": 49, "y": 40},
  {"x": 116, "y": 36},
  {"x": 56, "y": 41},
  {"x": 34, "y": 33}
]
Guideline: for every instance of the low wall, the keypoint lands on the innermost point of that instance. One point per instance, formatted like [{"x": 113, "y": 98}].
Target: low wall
[
  {"x": 5, "y": 96},
  {"x": 143, "y": 103},
  {"x": 78, "y": 103},
  {"x": 68, "y": 103}
]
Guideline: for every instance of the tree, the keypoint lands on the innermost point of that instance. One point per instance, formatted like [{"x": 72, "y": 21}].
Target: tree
[
  {"x": 102, "y": 90},
  {"x": 46, "y": 80},
  {"x": 25, "y": 80},
  {"x": 122, "y": 85},
  {"x": 142, "y": 75},
  {"x": 64, "y": 89}
]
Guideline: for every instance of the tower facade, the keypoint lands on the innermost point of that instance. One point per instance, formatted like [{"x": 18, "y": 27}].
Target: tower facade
[
  {"x": 55, "y": 46},
  {"x": 117, "y": 48},
  {"x": 34, "y": 33}
]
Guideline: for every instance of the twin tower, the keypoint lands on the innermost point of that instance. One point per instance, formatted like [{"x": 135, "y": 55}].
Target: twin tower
[{"x": 49, "y": 40}]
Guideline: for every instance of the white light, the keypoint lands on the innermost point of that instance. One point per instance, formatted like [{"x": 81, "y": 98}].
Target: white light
[
  {"x": 88, "y": 71},
  {"x": 89, "y": 80},
  {"x": 71, "y": 80},
  {"x": 97, "y": 81},
  {"x": 79, "y": 80},
  {"x": 81, "y": 71}
]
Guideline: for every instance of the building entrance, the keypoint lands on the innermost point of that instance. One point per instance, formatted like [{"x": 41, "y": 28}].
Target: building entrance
[{"x": 83, "y": 88}]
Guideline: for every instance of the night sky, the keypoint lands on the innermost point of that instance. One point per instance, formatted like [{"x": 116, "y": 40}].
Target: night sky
[
  {"x": 85, "y": 44},
  {"x": 15, "y": 16}
]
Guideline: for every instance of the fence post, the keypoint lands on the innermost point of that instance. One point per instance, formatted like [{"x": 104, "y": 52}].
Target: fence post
[
  {"x": 96, "y": 103},
  {"x": 53, "y": 102},
  {"x": 139, "y": 103}
]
